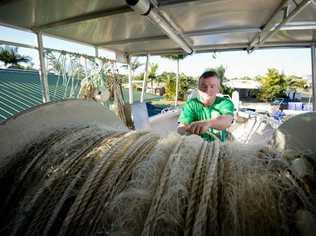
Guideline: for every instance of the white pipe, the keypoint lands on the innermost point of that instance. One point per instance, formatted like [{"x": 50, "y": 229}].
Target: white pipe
[
  {"x": 17, "y": 44},
  {"x": 177, "y": 84},
  {"x": 253, "y": 45},
  {"x": 42, "y": 71},
  {"x": 144, "y": 7},
  {"x": 96, "y": 51},
  {"x": 145, "y": 79},
  {"x": 313, "y": 55},
  {"x": 130, "y": 82}
]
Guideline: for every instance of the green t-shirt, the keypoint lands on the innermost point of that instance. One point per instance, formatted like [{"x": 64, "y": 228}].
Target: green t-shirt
[{"x": 194, "y": 110}]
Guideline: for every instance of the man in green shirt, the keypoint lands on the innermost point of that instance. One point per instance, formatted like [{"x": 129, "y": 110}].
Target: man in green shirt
[{"x": 207, "y": 115}]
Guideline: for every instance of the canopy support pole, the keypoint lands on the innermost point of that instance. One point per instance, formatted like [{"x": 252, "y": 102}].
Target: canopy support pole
[
  {"x": 145, "y": 79},
  {"x": 313, "y": 54},
  {"x": 130, "y": 81},
  {"x": 177, "y": 84},
  {"x": 96, "y": 51},
  {"x": 42, "y": 71}
]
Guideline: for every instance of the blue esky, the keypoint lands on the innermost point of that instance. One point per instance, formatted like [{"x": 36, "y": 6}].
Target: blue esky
[{"x": 237, "y": 63}]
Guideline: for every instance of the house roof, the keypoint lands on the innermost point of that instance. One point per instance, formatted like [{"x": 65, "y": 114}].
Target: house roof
[
  {"x": 21, "y": 89},
  {"x": 243, "y": 84}
]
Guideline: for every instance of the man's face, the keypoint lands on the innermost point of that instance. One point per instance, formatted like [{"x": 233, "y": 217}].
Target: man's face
[{"x": 210, "y": 87}]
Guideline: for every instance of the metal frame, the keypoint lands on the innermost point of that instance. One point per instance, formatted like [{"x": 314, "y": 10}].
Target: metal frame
[
  {"x": 271, "y": 30},
  {"x": 98, "y": 14},
  {"x": 163, "y": 21},
  {"x": 56, "y": 50},
  {"x": 173, "y": 32},
  {"x": 18, "y": 44},
  {"x": 84, "y": 17},
  {"x": 266, "y": 26},
  {"x": 130, "y": 80},
  {"x": 313, "y": 57},
  {"x": 200, "y": 49},
  {"x": 145, "y": 79},
  {"x": 56, "y": 37},
  {"x": 177, "y": 84},
  {"x": 224, "y": 47},
  {"x": 187, "y": 34},
  {"x": 96, "y": 51},
  {"x": 42, "y": 71}
]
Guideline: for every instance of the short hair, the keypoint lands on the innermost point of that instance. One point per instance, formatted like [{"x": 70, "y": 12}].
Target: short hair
[{"x": 209, "y": 73}]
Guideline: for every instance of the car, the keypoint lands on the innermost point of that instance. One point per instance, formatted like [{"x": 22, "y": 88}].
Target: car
[{"x": 281, "y": 102}]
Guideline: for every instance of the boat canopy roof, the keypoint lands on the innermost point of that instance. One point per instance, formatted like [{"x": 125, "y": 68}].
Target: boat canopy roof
[{"x": 205, "y": 26}]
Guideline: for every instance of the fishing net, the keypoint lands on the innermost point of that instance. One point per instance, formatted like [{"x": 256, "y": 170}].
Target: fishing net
[{"x": 92, "y": 181}]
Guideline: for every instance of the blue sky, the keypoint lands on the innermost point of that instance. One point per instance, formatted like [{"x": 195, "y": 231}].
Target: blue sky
[{"x": 237, "y": 63}]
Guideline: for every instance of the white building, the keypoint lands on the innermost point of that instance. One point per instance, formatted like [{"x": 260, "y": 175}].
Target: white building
[{"x": 244, "y": 87}]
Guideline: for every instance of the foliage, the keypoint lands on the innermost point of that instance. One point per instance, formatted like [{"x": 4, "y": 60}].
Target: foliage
[
  {"x": 295, "y": 83},
  {"x": 152, "y": 70},
  {"x": 12, "y": 59},
  {"x": 273, "y": 85},
  {"x": 152, "y": 73},
  {"x": 135, "y": 64},
  {"x": 185, "y": 83},
  {"x": 258, "y": 78},
  {"x": 139, "y": 76},
  {"x": 243, "y": 78}
]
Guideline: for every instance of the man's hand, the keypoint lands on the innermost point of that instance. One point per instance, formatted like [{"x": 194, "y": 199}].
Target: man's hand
[
  {"x": 198, "y": 127},
  {"x": 182, "y": 129}
]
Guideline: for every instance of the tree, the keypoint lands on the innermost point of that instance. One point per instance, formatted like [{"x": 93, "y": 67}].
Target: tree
[
  {"x": 258, "y": 78},
  {"x": 135, "y": 64},
  {"x": 295, "y": 83},
  {"x": 185, "y": 83},
  {"x": 176, "y": 57},
  {"x": 273, "y": 85},
  {"x": 170, "y": 83},
  {"x": 152, "y": 73},
  {"x": 11, "y": 58}
]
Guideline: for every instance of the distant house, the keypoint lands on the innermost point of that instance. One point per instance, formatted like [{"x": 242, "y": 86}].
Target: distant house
[
  {"x": 244, "y": 87},
  {"x": 308, "y": 79},
  {"x": 156, "y": 89}
]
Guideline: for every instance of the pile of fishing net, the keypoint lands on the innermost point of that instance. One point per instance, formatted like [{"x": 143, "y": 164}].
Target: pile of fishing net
[{"x": 92, "y": 181}]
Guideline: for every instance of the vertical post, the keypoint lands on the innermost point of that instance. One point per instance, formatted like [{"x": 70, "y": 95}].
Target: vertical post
[
  {"x": 313, "y": 54},
  {"x": 145, "y": 80},
  {"x": 42, "y": 71},
  {"x": 177, "y": 84},
  {"x": 96, "y": 51},
  {"x": 235, "y": 100},
  {"x": 130, "y": 82}
]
